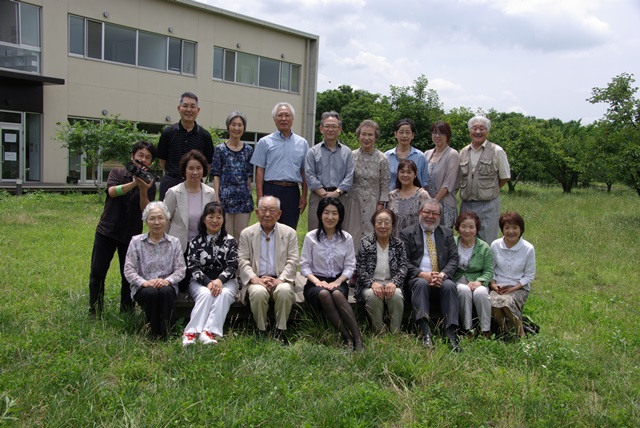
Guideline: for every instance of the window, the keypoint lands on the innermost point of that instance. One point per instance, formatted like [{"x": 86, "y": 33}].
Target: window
[
  {"x": 269, "y": 73},
  {"x": 19, "y": 36},
  {"x": 119, "y": 44},
  {"x": 254, "y": 70},
  {"x": 152, "y": 51},
  {"x": 108, "y": 42}
]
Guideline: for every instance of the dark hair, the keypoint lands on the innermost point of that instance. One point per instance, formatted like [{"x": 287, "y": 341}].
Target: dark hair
[
  {"x": 384, "y": 211},
  {"x": 188, "y": 95},
  {"x": 467, "y": 215},
  {"x": 324, "y": 203},
  {"x": 196, "y": 155},
  {"x": 443, "y": 128},
  {"x": 371, "y": 123},
  {"x": 212, "y": 208},
  {"x": 411, "y": 164},
  {"x": 405, "y": 121},
  {"x": 511, "y": 217},
  {"x": 144, "y": 145}
]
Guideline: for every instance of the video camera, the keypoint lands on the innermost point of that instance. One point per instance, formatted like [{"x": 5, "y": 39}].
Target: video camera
[{"x": 140, "y": 171}]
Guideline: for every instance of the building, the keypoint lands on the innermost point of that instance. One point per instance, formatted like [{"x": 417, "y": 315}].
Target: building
[{"x": 67, "y": 59}]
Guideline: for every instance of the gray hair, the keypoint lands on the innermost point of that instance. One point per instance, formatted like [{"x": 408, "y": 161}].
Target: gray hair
[
  {"x": 482, "y": 119},
  {"x": 328, "y": 114},
  {"x": 152, "y": 206},
  {"x": 188, "y": 95},
  {"x": 431, "y": 202},
  {"x": 268, "y": 196},
  {"x": 235, "y": 114},
  {"x": 274, "y": 112}
]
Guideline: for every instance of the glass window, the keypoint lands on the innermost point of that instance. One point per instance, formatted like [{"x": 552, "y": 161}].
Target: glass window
[
  {"x": 175, "y": 54},
  {"x": 230, "y": 66},
  {"x": 8, "y": 22},
  {"x": 269, "y": 73},
  {"x": 188, "y": 57},
  {"x": 152, "y": 51},
  {"x": 119, "y": 44},
  {"x": 76, "y": 35},
  {"x": 295, "y": 78},
  {"x": 247, "y": 69},
  {"x": 10, "y": 117},
  {"x": 29, "y": 25},
  {"x": 285, "y": 76},
  {"x": 218, "y": 62},
  {"x": 94, "y": 39}
]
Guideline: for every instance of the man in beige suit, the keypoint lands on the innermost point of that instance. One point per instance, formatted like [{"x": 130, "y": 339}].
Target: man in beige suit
[{"x": 268, "y": 262}]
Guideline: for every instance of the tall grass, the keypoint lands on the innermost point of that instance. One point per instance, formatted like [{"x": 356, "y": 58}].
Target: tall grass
[{"x": 57, "y": 368}]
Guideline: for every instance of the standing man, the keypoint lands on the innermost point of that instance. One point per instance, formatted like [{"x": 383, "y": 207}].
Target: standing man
[
  {"x": 180, "y": 138},
  {"x": 279, "y": 159},
  {"x": 433, "y": 260},
  {"x": 328, "y": 166},
  {"x": 268, "y": 262},
  {"x": 127, "y": 196},
  {"x": 484, "y": 169}
]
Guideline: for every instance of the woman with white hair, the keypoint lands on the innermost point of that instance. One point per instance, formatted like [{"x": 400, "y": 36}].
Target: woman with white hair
[{"x": 154, "y": 266}]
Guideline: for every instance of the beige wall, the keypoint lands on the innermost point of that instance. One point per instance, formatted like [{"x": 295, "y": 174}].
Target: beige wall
[{"x": 148, "y": 95}]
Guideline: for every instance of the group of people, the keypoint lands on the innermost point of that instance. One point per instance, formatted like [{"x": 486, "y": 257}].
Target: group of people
[{"x": 380, "y": 222}]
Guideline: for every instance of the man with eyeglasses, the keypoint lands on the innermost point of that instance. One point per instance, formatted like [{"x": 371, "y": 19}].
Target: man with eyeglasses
[
  {"x": 433, "y": 260},
  {"x": 180, "y": 138},
  {"x": 279, "y": 160},
  {"x": 328, "y": 166},
  {"x": 484, "y": 169},
  {"x": 268, "y": 262}
]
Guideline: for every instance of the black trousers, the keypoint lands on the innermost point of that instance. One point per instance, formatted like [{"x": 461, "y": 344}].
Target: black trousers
[
  {"x": 289, "y": 199},
  {"x": 159, "y": 308},
  {"x": 447, "y": 295},
  {"x": 103, "y": 250}
]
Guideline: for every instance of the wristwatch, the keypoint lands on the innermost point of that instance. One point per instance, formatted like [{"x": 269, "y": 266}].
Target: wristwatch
[{"x": 339, "y": 192}]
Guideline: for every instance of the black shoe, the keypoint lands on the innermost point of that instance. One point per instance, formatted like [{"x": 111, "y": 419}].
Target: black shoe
[
  {"x": 454, "y": 342},
  {"x": 280, "y": 336},
  {"x": 261, "y": 334},
  {"x": 427, "y": 342}
]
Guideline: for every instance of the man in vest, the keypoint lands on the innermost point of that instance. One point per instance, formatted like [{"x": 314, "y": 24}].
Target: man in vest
[{"x": 484, "y": 169}]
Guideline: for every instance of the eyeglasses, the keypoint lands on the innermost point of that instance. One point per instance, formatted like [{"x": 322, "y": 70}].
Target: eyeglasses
[
  {"x": 189, "y": 106},
  {"x": 331, "y": 126},
  {"x": 428, "y": 213}
]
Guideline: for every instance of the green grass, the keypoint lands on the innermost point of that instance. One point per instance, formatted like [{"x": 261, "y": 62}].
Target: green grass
[{"x": 59, "y": 369}]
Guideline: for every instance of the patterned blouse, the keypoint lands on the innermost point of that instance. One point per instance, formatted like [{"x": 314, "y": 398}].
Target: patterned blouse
[
  {"x": 367, "y": 259},
  {"x": 234, "y": 170},
  {"x": 212, "y": 257},
  {"x": 406, "y": 210},
  {"x": 147, "y": 260}
]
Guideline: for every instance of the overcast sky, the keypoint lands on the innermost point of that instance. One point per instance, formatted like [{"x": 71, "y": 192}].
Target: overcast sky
[{"x": 536, "y": 57}]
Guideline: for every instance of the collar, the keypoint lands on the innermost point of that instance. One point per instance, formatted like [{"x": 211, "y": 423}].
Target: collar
[
  {"x": 518, "y": 245},
  {"x": 270, "y": 234},
  {"x": 213, "y": 238},
  {"x": 483, "y": 145},
  {"x": 412, "y": 151},
  {"x": 195, "y": 126},
  {"x": 281, "y": 135},
  {"x": 145, "y": 237},
  {"x": 338, "y": 145}
]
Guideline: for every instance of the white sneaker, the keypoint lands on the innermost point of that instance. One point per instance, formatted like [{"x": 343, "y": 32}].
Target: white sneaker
[
  {"x": 189, "y": 339},
  {"x": 208, "y": 338}
]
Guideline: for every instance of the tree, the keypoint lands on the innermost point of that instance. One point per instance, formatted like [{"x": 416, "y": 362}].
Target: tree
[
  {"x": 620, "y": 126},
  {"x": 110, "y": 139}
]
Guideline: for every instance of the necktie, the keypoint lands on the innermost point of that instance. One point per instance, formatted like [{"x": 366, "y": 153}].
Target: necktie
[{"x": 433, "y": 254}]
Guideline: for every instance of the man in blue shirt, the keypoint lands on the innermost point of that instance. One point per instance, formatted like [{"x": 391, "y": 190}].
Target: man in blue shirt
[
  {"x": 279, "y": 160},
  {"x": 328, "y": 166}
]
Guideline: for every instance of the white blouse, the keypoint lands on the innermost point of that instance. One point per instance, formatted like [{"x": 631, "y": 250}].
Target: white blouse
[
  {"x": 328, "y": 258},
  {"x": 515, "y": 264}
]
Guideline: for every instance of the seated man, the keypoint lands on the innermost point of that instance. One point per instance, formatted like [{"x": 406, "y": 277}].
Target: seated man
[
  {"x": 268, "y": 261},
  {"x": 433, "y": 260}
]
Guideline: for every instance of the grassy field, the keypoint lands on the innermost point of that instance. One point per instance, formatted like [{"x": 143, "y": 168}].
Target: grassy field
[{"x": 57, "y": 368}]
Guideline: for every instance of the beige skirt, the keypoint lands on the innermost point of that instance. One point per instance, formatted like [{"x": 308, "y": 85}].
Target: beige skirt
[{"x": 513, "y": 301}]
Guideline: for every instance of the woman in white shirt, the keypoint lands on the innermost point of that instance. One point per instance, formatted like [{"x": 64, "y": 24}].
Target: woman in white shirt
[
  {"x": 514, "y": 266},
  {"x": 328, "y": 260}
]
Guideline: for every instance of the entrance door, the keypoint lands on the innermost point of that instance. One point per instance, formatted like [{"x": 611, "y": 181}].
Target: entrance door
[{"x": 10, "y": 154}]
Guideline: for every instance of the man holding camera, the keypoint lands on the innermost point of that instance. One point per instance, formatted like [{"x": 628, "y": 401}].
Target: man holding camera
[{"x": 127, "y": 196}]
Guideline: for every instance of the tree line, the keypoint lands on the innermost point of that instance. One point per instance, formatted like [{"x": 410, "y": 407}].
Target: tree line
[{"x": 540, "y": 150}]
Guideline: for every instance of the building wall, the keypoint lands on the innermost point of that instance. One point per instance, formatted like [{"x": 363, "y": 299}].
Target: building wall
[{"x": 138, "y": 94}]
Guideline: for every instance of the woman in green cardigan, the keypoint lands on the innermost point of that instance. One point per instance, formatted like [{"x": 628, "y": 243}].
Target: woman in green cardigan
[{"x": 474, "y": 274}]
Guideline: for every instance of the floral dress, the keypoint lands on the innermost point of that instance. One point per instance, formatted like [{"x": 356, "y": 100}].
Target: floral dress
[
  {"x": 234, "y": 170},
  {"x": 406, "y": 210}
]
